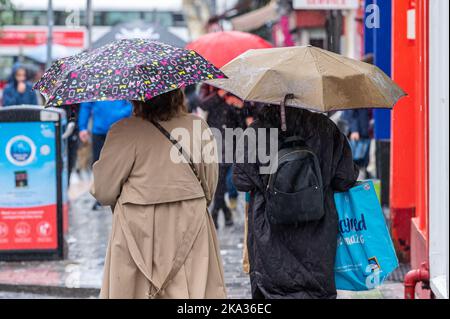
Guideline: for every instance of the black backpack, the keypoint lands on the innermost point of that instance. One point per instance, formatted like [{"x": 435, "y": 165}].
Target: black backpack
[{"x": 294, "y": 192}]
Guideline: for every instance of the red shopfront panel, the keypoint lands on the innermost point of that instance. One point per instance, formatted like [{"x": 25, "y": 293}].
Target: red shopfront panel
[
  {"x": 409, "y": 153},
  {"x": 403, "y": 131}
]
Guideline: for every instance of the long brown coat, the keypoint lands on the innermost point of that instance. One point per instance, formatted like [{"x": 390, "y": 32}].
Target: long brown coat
[{"x": 155, "y": 203}]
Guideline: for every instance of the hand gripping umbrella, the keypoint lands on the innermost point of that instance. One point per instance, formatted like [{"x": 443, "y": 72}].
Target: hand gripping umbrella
[{"x": 130, "y": 69}]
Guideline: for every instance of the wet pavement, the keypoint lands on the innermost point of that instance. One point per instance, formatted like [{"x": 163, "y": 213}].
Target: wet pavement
[
  {"x": 79, "y": 276},
  {"x": 231, "y": 245},
  {"x": 23, "y": 295},
  {"x": 80, "y": 273}
]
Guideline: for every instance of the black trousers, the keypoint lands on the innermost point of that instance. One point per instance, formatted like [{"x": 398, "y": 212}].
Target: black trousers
[
  {"x": 72, "y": 147},
  {"x": 219, "y": 197},
  {"x": 97, "y": 145}
]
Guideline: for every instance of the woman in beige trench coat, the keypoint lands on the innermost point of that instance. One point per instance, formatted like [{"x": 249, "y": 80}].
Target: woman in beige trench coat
[{"x": 163, "y": 242}]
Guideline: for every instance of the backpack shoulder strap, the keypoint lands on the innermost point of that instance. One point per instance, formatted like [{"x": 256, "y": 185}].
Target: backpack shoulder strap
[
  {"x": 292, "y": 140},
  {"x": 181, "y": 150}
]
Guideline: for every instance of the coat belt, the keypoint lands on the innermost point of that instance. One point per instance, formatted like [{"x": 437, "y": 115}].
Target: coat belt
[{"x": 181, "y": 253}]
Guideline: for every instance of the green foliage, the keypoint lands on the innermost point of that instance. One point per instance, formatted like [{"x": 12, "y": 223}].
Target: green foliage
[{"x": 6, "y": 12}]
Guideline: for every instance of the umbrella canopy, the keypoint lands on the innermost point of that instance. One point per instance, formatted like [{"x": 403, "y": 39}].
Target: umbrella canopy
[
  {"x": 135, "y": 69},
  {"x": 140, "y": 29},
  {"x": 222, "y": 47},
  {"x": 310, "y": 77}
]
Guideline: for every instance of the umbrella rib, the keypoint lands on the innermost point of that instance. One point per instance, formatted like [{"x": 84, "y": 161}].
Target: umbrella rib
[
  {"x": 257, "y": 82},
  {"x": 321, "y": 78},
  {"x": 319, "y": 70},
  {"x": 370, "y": 78},
  {"x": 378, "y": 88},
  {"x": 271, "y": 69},
  {"x": 334, "y": 58}
]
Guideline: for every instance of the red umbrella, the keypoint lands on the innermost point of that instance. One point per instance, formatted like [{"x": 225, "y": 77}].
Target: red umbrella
[{"x": 222, "y": 47}]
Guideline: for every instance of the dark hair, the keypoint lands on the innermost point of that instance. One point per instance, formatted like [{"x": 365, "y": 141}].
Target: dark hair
[
  {"x": 270, "y": 116},
  {"x": 299, "y": 121},
  {"x": 14, "y": 74},
  {"x": 21, "y": 67},
  {"x": 163, "y": 107}
]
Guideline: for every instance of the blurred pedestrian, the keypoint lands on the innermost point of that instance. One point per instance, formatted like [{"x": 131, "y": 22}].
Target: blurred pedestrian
[
  {"x": 295, "y": 260},
  {"x": 246, "y": 116},
  {"x": 223, "y": 112},
  {"x": 192, "y": 98},
  {"x": 358, "y": 123},
  {"x": 163, "y": 242},
  {"x": 103, "y": 114},
  {"x": 72, "y": 140},
  {"x": 19, "y": 90}
]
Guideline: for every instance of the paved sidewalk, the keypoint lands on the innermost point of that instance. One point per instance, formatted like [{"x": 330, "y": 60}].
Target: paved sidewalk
[
  {"x": 80, "y": 273},
  {"x": 388, "y": 290},
  {"x": 231, "y": 243}
]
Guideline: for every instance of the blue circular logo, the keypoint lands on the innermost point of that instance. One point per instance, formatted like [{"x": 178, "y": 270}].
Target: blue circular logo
[{"x": 20, "y": 150}]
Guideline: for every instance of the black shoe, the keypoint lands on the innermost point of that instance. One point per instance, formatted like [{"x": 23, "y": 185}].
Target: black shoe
[
  {"x": 96, "y": 206},
  {"x": 228, "y": 217},
  {"x": 229, "y": 222}
]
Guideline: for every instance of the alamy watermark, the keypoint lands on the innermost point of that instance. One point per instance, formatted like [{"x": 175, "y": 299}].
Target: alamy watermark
[
  {"x": 372, "y": 20},
  {"x": 230, "y": 145}
]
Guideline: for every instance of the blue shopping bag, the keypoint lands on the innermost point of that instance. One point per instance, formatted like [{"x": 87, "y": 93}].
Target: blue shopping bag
[
  {"x": 360, "y": 149},
  {"x": 365, "y": 254}
]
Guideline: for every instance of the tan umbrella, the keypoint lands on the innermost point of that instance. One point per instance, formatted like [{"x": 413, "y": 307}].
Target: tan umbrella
[{"x": 308, "y": 77}]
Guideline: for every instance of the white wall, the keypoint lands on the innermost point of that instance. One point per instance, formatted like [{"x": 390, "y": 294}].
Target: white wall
[
  {"x": 439, "y": 150},
  {"x": 351, "y": 35}
]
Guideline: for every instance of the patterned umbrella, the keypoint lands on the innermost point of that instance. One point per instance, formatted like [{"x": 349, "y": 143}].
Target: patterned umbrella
[{"x": 130, "y": 69}]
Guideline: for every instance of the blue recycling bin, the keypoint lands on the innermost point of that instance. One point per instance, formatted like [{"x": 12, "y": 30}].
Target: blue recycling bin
[{"x": 33, "y": 183}]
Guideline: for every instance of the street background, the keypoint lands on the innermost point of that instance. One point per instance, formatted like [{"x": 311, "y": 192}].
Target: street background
[{"x": 408, "y": 160}]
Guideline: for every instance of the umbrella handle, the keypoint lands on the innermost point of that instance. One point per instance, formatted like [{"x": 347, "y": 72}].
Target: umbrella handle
[{"x": 283, "y": 111}]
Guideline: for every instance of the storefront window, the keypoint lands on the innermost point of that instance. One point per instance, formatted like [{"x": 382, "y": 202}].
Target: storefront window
[
  {"x": 113, "y": 18},
  {"x": 164, "y": 19},
  {"x": 33, "y": 17},
  {"x": 101, "y": 18}
]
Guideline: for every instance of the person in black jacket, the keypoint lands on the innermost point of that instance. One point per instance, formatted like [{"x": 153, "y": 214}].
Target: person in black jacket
[
  {"x": 358, "y": 122},
  {"x": 223, "y": 112},
  {"x": 289, "y": 261}
]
